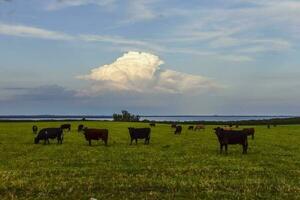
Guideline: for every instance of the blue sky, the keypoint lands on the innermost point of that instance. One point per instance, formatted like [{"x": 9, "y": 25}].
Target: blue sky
[{"x": 149, "y": 56}]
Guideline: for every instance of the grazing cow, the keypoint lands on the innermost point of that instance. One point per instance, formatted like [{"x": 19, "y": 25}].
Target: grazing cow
[
  {"x": 34, "y": 129},
  {"x": 139, "y": 133},
  {"x": 95, "y": 134},
  {"x": 49, "y": 133},
  {"x": 191, "y": 128},
  {"x": 269, "y": 126},
  {"x": 152, "y": 124},
  {"x": 199, "y": 127},
  {"x": 66, "y": 127},
  {"x": 226, "y": 137},
  {"x": 250, "y": 131},
  {"x": 173, "y": 125},
  {"x": 178, "y": 130},
  {"x": 80, "y": 128}
]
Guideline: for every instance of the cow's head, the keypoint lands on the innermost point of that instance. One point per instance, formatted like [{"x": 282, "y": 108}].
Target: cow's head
[{"x": 130, "y": 129}]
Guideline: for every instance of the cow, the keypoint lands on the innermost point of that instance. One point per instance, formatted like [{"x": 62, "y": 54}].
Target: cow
[
  {"x": 178, "y": 130},
  {"x": 49, "y": 133},
  {"x": 152, "y": 124},
  {"x": 226, "y": 137},
  {"x": 80, "y": 128},
  {"x": 173, "y": 125},
  {"x": 237, "y": 126},
  {"x": 34, "y": 129},
  {"x": 199, "y": 127},
  {"x": 191, "y": 128},
  {"x": 268, "y": 126},
  {"x": 139, "y": 133},
  {"x": 66, "y": 127},
  {"x": 250, "y": 131},
  {"x": 95, "y": 134}
]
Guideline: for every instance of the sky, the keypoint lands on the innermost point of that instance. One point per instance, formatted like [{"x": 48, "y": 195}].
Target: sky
[{"x": 151, "y": 57}]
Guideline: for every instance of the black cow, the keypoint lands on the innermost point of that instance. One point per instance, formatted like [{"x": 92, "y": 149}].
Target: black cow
[
  {"x": 34, "y": 129},
  {"x": 250, "y": 131},
  {"x": 49, "y": 133},
  {"x": 152, "y": 124},
  {"x": 95, "y": 134},
  {"x": 66, "y": 127},
  {"x": 268, "y": 126},
  {"x": 80, "y": 128},
  {"x": 226, "y": 137},
  {"x": 139, "y": 133},
  {"x": 191, "y": 128},
  {"x": 178, "y": 130}
]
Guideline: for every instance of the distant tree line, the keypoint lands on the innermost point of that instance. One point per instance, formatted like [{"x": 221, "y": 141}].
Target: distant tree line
[{"x": 125, "y": 116}]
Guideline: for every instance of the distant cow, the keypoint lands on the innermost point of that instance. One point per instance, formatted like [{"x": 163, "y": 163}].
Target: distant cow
[
  {"x": 139, "y": 133},
  {"x": 199, "y": 127},
  {"x": 66, "y": 127},
  {"x": 173, "y": 125},
  {"x": 34, "y": 129},
  {"x": 178, "y": 130},
  {"x": 95, "y": 134},
  {"x": 268, "y": 126},
  {"x": 80, "y": 128},
  {"x": 191, "y": 128},
  {"x": 250, "y": 131},
  {"x": 152, "y": 124},
  {"x": 237, "y": 126},
  {"x": 49, "y": 133},
  {"x": 226, "y": 137}
]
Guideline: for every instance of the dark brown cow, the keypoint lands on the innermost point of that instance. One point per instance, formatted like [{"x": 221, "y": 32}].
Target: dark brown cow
[
  {"x": 199, "y": 127},
  {"x": 66, "y": 127},
  {"x": 139, "y": 133},
  {"x": 34, "y": 129},
  {"x": 250, "y": 131},
  {"x": 178, "y": 130},
  {"x": 226, "y": 137},
  {"x": 191, "y": 128},
  {"x": 95, "y": 134}
]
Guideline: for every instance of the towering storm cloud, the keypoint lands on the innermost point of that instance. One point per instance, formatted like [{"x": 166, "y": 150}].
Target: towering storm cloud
[{"x": 142, "y": 72}]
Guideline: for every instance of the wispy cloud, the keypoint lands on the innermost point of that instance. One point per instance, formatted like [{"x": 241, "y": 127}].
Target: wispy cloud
[
  {"x": 28, "y": 31},
  {"x": 60, "y": 4}
]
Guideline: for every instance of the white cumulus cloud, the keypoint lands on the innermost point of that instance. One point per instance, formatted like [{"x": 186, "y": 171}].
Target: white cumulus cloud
[{"x": 142, "y": 72}]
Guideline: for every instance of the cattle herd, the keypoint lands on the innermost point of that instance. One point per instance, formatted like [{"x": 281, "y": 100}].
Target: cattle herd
[{"x": 226, "y": 135}]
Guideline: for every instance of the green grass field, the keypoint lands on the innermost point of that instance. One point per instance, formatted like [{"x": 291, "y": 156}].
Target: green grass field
[{"x": 188, "y": 166}]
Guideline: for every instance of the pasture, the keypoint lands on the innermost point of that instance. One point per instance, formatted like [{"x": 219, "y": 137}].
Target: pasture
[{"x": 186, "y": 166}]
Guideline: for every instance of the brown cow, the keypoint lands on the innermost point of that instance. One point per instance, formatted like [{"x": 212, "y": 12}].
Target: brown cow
[
  {"x": 191, "y": 128},
  {"x": 199, "y": 127},
  {"x": 95, "y": 134}
]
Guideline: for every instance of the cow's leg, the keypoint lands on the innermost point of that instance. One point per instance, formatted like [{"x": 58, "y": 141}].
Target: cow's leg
[
  {"x": 252, "y": 136},
  {"x": 131, "y": 141},
  {"x": 45, "y": 140},
  {"x": 136, "y": 141},
  {"x": 90, "y": 142},
  {"x": 226, "y": 148},
  {"x": 221, "y": 148}
]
